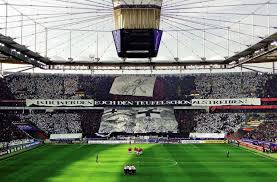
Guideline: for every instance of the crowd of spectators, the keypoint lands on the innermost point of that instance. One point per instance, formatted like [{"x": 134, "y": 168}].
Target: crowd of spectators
[
  {"x": 5, "y": 92},
  {"x": 230, "y": 85},
  {"x": 8, "y": 131},
  {"x": 267, "y": 131},
  {"x": 90, "y": 121},
  {"x": 218, "y": 122},
  {"x": 54, "y": 123},
  {"x": 270, "y": 88},
  {"x": 185, "y": 120},
  {"x": 86, "y": 121},
  {"x": 42, "y": 86},
  {"x": 167, "y": 87}
]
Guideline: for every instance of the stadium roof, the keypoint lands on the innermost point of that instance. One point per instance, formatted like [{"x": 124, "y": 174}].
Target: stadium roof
[
  {"x": 231, "y": 32},
  {"x": 263, "y": 45},
  {"x": 12, "y": 49}
]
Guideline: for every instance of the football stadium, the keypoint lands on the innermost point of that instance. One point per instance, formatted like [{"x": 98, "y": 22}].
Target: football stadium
[{"x": 138, "y": 90}]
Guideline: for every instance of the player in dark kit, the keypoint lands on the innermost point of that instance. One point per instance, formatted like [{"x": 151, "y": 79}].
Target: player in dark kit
[
  {"x": 228, "y": 154},
  {"x": 97, "y": 158},
  {"x": 129, "y": 150}
]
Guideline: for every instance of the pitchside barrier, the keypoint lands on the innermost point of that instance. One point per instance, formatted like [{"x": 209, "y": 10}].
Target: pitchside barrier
[
  {"x": 19, "y": 148},
  {"x": 149, "y": 142},
  {"x": 203, "y": 141},
  {"x": 268, "y": 147},
  {"x": 249, "y": 145},
  {"x": 215, "y": 141},
  {"x": 69, "y": 136},
  {"x": 108, "y": 141},
  {"x": 15, "y": 143},
  {"x": 194, "y": 138},
  {"x": 207, "y": 136},
  {"x": 259, "y": 145}
]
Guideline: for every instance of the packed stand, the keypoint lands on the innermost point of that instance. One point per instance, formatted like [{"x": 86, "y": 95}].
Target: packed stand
[
  {"x": 186, "y": 121},
  {"x": 230, "y": 85},
  {"x": 8, "y": 131},
  {"x": 86, "y": 121},
  {"x": 218, "y": 122},
  {"x": 4, "y": 91},
  {"x": 42, "y": 86},
  {"x": 91, "y": 122},
  {"x": 267, "y": 131},
  {"x": 55, "y": 123},
  {"x": 167, "y": 87},
  {"x": 271, "y": 87}
]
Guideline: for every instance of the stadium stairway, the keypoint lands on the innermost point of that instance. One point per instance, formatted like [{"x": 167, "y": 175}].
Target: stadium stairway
[
  {"x": 246, "y": 128},
  {"x": 238, "y": 135}
]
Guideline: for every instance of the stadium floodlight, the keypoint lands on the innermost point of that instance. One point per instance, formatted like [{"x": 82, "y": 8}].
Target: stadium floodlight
[{"x": 137, "y": 23}]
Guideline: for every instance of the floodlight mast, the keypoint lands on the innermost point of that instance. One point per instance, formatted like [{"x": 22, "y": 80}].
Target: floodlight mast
[{"x": 137, "y": 24}]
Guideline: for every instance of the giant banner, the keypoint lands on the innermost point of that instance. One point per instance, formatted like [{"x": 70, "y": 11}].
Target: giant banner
[
  {"x": 59, "y": 102},
  {"x": 226, "y": 102},
  {"x": 137, "y": 103},
  {"x": 134, "y": 86},
  {"x": 91, "y": 103},
  {"x": 139, "y": 120},
  {"x": 143, "y": 103}
]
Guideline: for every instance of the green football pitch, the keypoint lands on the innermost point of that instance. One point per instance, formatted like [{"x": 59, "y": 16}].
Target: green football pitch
[{"x": 159, "y": 163}]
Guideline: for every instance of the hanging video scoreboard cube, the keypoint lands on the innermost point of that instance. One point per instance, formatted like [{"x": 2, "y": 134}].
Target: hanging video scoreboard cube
[
  {"x": 137, "y": 43},
  {"x": 137, "y": 33}
]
